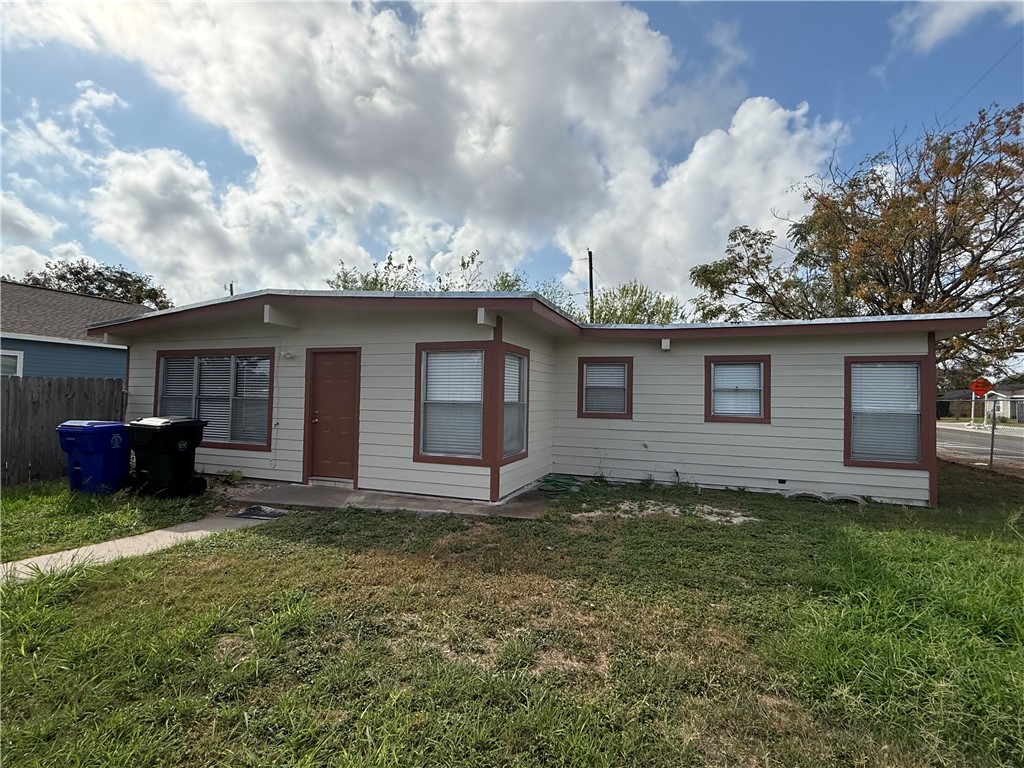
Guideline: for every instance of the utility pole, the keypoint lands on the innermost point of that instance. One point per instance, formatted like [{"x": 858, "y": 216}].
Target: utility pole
[{"x": 590, "y": 259}]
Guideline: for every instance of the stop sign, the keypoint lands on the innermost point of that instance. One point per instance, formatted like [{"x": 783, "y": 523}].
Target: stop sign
[{"x": 980, "y": 386}]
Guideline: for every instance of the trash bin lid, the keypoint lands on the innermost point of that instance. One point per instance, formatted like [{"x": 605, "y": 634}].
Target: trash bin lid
[
  {"x": 88, "y": 424},
  {"x": 153, "y": 421}
]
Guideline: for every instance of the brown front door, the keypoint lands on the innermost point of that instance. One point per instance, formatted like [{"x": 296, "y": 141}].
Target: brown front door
[{"x": 332, "y": 413}]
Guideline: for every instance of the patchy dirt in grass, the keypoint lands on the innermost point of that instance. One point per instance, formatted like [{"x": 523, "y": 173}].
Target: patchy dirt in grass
[
  {"x": 721, "y": 516},
  {"x": 629, "y": 508},
  {"x": 476, "y": 534},
  {"x": 555, "y": 660},
  {"x": 234, "y": 649},
  {"x": 640, "y": 509}
]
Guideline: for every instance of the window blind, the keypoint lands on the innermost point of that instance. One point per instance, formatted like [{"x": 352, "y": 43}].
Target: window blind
[
  {"x": 230, "y": 392},
  {"x": 249, "y": 406},
  {"x": 214, "y": 405},
  {"x": 514, "y": 427},
  {"x": 736, "y": 389},
  {"x": 177, "y": 396},
  {"x": 452, "y": 408},
  {"x": 885, "y": 403},
  {"x": 604, "y": 388}
]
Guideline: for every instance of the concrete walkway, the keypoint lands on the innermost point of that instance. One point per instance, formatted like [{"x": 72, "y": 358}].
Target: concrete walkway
[
  {"x": 527, "y": 506},
  {"x": 130, "y": 546}
]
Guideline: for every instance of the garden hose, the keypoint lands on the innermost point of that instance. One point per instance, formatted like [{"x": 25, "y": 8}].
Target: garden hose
[{"x": 557, "y": 486}]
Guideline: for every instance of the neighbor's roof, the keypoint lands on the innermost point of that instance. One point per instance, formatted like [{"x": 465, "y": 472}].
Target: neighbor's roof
[
  {"x": 539, "y": 307},
  {"x": 28, "y": 310}
]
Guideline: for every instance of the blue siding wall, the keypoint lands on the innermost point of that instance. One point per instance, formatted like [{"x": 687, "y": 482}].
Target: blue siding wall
[{"x": 43, "y": 358}]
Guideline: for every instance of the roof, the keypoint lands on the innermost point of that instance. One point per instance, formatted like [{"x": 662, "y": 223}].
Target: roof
[
  {"x": 541, "y": 310},
  {"x": 30, "y": 310}
]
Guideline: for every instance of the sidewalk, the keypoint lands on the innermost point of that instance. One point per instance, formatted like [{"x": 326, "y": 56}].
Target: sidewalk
[
  {"x": 129, "y": 546},
  {"x": 527, "y": 506}
]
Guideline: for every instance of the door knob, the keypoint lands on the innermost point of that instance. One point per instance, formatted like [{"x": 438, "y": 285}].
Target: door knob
[{"x": 315, "y": 420}]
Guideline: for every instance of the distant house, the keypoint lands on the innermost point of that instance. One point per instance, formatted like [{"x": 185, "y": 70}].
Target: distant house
[{"x": 43, "y": 333}]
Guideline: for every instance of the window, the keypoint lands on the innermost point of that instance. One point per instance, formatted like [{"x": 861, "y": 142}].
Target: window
[
  {"x": 230, "y": 391},
  {"x": 605, "y": 388},
  {"x": 884, "y": 412},
  {"x": 11, "y": 363},
  {"x": 737, "y": 389},
  {"x": 514, "y": 431},
  {"x": 452, "y": 412}
]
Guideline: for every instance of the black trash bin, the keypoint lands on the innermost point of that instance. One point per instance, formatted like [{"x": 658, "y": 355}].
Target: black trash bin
[{"x": 165, "y": 455}]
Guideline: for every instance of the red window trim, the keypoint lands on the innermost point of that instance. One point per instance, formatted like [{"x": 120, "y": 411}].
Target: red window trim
[
  {"x": 766, "y": 388},
  {"x": 514, "y": 457},
  {"x": 430, "y": 458},
  {"x": 268, "y": 351},
  {"x": 493, "y": 406},
  {"x": 580, "y": 399},
  {"x": 926, "y": 405}
]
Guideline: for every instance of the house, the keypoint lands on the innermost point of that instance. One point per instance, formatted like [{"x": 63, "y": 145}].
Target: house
[
  {"x": 43, "y": 333},
  {"x": 477, "y": 395}
]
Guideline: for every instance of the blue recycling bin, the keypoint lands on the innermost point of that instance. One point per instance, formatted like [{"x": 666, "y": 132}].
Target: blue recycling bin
[{"x": 99, "y": 455}]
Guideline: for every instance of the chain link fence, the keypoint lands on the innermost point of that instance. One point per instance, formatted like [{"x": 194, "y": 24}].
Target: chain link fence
[{"x": 986, "y": 432}]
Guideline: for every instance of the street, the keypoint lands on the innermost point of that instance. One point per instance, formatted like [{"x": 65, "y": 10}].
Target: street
[{"x": 959, "y": 440}]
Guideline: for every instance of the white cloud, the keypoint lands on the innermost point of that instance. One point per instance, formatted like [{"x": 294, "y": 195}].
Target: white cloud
[
  {"x": 438, "y": 129},
  {"x": 19, "y": 222},
  {"x": 19, "y": 259},
  {"x": 160, "y": 208},
  {"x": 924, "y": 25},
  {"x": 747, "y": 174}
]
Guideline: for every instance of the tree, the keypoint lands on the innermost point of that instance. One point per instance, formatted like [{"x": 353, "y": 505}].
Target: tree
[
  {"x": 936, "y": 225},
  {"x": 93, "y": 279},
  {"x": 628, "y": 303},
  {"x": 635, "y": 303},
  {"x": 387, "y": 275}
]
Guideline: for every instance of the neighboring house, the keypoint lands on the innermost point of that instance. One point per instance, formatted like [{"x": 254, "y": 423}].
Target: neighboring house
[
  {"x": 477, "y": 395},
  {"x": 43, "y": 333}
]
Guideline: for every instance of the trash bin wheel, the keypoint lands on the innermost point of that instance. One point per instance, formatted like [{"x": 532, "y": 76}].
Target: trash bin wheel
[{"x": 197, "y": 486}]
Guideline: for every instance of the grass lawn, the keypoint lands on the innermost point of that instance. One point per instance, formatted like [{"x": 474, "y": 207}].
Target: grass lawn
[
  {"x": 37, "y": 518},
  {"x": 819, "y": 635}
]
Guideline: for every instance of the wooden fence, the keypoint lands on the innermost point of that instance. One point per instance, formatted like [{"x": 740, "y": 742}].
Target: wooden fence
[{"x": 33, "y": 406}]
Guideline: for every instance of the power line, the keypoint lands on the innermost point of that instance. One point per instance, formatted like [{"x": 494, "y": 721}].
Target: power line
[{"x": 987, "y": 73}]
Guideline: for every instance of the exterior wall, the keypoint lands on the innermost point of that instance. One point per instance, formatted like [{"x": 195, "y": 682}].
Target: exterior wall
[
  {"x": 44, "y": 358},
  {"x": 668, "y": 440},
  {"x": 386, "y": 404},
  {"x": 540, "y": 407}
]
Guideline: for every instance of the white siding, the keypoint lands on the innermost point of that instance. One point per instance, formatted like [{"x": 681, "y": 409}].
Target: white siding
[
  {"x": 540, "y": 409},
  {"x": 668, "y": 440},
  {"x": 388, "y": 343}
]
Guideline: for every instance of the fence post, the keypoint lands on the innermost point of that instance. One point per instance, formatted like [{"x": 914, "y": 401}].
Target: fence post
[{"x": 992, "y": 439}]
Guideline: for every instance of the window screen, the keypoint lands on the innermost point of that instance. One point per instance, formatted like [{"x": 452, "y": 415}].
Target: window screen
[
  {"x": 605, "y": 387},
  {"x": 885, "y": 403},
  {"x": 10, "y": 364},
  {"x": 452, "y": 414},
  {"x": 514, "y": 435},
  {"x": 737, "y": 390},
  {"x": 231, "y": 392}
]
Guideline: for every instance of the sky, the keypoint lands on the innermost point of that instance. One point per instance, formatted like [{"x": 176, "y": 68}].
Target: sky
[{"x": 260, "y": 144}]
